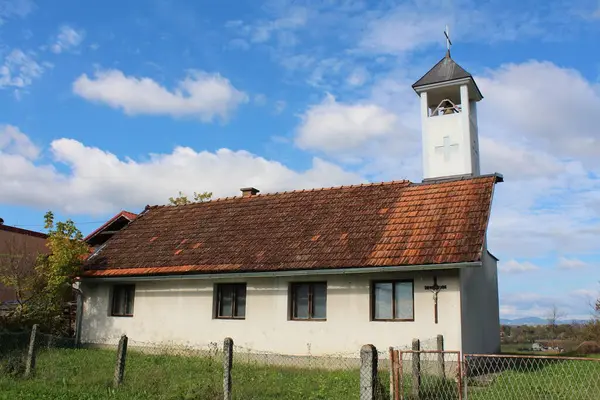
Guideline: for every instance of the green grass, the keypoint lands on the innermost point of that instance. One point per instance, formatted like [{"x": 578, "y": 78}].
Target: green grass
[
  {"x": 540, "y": 380},
  {"x": 87, "y": 374}
]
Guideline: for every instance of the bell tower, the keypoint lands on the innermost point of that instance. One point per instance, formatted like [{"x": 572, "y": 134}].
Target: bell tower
[{"x": 449, "y": 97}]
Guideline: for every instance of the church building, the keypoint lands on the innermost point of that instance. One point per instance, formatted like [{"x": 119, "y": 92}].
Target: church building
[{"x": 318, "y": 271}]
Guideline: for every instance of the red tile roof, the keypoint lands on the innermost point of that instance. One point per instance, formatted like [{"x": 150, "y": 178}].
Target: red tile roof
[{"x": 386, "y": 224}]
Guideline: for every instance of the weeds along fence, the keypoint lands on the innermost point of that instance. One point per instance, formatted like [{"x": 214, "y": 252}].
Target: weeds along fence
[{"x": 134, "y": 369}]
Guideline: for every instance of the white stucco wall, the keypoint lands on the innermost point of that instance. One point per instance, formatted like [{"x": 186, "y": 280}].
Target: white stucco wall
[
  {"x": 180, "y": 311},
  {"x": 460, "y": 128},
  {"x": 479, "y": 304}
]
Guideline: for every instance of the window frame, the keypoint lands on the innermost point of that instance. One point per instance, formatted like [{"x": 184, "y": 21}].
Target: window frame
[
  {"x": 218, "y": 290},
  {"x": 393, "y": 282},
  {"x": 292, "y": 303},
  {"x": 128, "y": 289}
]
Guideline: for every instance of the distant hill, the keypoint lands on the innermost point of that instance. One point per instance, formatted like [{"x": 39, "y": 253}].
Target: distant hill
[{"x": 535, "y": 321}]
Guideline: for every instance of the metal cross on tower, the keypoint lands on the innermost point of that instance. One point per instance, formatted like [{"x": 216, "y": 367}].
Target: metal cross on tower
[
  {"x": 435, "y": 288},
  {"x": 448, "y": 41}
]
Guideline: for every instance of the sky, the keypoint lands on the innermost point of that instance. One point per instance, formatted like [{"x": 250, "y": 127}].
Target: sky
[{"x": 109, "y": 105}]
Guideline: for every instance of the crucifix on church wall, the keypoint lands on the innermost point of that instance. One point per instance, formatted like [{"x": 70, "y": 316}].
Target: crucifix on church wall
[{"x": 435, "y": 288}]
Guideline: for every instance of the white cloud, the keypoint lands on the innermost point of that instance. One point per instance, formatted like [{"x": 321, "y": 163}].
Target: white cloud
[
  {"x": 403, "y": 29},
  {"x": 331, "y": 126},
  {"x": 571, "y": 263},
  {"x": 200, "y": 94},
  {"x": 13, "y": 141},
  {"x": 19, "y": 69},
  {"x": 280, "y": 105},
  {"x": 417, "y": 24},
  {"x": 68, "y": 38},
  {"x": 556, "y": 107},
  {"x": 516, "y": 267},
  {"x": 358, "y": 76},
  {"x": 90, "y": 180},
  {"x": 15, "y": 8},
  {"x": 280, "y": 28},
  {"x": 575, "y": 304},
  {"x": 260, "y": 99}
]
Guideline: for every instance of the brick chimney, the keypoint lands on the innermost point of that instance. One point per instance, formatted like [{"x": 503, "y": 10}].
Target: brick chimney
[{"x": 249, "y": 191}]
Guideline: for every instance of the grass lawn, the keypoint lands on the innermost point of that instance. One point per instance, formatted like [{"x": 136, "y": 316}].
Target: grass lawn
[
  {"x": 87, "y": 374},
  {"x": 540, "y": 379}
]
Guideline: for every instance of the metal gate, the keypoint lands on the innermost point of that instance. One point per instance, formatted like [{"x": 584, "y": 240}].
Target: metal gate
[{"x": 425, "y": 374}]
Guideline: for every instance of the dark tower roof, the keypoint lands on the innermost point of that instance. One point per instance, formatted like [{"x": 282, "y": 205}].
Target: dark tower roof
[{"x": 445, "y": 70}]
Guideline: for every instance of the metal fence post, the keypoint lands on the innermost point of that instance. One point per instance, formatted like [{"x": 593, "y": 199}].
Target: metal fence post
[
  {"x": 30, "y": 362},
  {"x": 441, "y": 358},
  {"x": 227, "y": 364},
  {"x": 368, "y": 372},
  {"x": 416, "y": 368},
  {"x": 121, "y": 357}
]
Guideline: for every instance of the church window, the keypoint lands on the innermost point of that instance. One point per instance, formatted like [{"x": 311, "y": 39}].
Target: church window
[
  {"x": 230, "y": 301},
  {"x": 308, "y": 301},
  {"x": 122, "y": 301},
  {"x": 392, "y": 300}
]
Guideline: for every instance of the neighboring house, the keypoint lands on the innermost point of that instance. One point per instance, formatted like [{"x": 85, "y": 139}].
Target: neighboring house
[
  {"x": 99, "y": 236},
  {"x": 19, "y": 249},
  {"x": 318, "y": 271}
]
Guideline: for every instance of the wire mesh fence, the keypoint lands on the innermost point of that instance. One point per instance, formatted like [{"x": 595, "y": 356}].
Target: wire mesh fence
[
  {"x": 268, "y": 375},
  {"x": 13, "y": 352},
  {"x": 508, "y": 377},
  {"x": 202, "y": 372},
  {"x": 426, "y": 374},
  {"x": 175, "y": 371}
]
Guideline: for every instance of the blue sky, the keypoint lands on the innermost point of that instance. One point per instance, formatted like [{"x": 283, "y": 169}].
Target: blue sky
[{"x": 115, "y": 105}]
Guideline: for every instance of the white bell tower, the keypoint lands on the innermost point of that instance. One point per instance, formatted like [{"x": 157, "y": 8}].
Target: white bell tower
[{"x": 449, "y": 97}]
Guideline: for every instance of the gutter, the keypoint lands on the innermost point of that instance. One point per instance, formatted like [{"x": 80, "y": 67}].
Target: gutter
[{"x": 271, "y": 274}]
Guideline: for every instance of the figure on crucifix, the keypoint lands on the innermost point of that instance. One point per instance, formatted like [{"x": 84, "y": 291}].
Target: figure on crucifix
[{"x": 435, "y": 288}]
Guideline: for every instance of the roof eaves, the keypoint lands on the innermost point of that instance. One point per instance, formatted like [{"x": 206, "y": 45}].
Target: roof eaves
[
  {"x": 129, "y": 273},
  {"x": 452, "y": 178},
  {"x": 21, "y": 231}
]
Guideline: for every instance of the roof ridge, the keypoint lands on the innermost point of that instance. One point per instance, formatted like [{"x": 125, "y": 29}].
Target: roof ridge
[
  {"x": 262, "y": 195},
  {"x": 21, "y": 231}
]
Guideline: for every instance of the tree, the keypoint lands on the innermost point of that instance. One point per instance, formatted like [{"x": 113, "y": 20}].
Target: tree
[
  {"x": 17, "y": 267},
  {"x": 182, "y": 199},
  {"x": 44, "y": 293},
  {"x": 552, "y": 317}
]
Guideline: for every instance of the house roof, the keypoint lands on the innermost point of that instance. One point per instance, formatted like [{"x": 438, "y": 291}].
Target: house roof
[
  {"x": 123, "y": 214},
  {"x": 386, "y": 224},
  {"x": 445, "y": 70},
  {"x": 22, "y": 231}
]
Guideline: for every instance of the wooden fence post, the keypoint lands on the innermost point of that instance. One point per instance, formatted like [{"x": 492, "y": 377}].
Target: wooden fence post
[
  {"x": 227, "y": 364},
  {"x": 368, "y": 372},
  {"x": 441, "y": 359},
  {"x": 78, "y": 318},
  {"x": 120, "y": 365},
  {"x": 416, "y": 368},
  {"x": 30, "y": 361}
]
